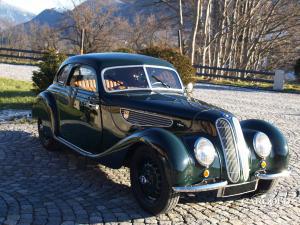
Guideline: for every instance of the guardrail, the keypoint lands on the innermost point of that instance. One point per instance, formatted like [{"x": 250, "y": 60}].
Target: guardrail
[{"x": 276, "y": 78}]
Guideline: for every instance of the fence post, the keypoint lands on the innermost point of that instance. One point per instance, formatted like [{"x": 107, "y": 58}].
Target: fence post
[{"x": 278, "y": 80}]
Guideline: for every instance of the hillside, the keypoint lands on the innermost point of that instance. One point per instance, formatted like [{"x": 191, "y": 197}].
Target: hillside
[
  {"x": 10, "y": 15},
  {"x": 125, "y": 8}
]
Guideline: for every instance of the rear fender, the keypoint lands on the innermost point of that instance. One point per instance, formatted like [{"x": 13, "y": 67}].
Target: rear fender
[{"x": 45, "y": 109}]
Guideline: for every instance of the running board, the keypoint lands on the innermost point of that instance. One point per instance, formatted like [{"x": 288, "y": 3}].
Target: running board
[{"x": 85, "y": 153}]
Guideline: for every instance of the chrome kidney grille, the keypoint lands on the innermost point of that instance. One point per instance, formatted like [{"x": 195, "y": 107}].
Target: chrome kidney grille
[
  {"x": 231, "y": 156},
  {"x": 140, "y": 118}
]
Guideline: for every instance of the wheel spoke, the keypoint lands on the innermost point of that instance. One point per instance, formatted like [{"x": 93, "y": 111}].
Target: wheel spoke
[{"x": 150, "y": 180}]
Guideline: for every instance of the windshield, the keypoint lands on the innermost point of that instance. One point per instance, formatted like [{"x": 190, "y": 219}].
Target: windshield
[
  {"x": 163, "y": 78},
  {"x": 125, "y": 78}
]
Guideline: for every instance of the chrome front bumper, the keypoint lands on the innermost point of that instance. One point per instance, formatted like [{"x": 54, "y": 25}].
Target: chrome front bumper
[
  {"x": 263, "y": 176},
  {"x": 199, "y": 188},
  {"x": 223, "y": 184}
]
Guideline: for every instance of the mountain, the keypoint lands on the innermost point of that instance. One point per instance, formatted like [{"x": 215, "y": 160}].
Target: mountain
[
  {"x": 50, "y": 17},
  {"x": 54, "y": 17},
  {"x": 127, "y": 9},
  {"x": 4, "y": 24},
  {"x": 10, "y": 15}
]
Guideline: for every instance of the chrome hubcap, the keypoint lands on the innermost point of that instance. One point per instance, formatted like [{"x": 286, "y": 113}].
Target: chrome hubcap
[{"x": 143, "y": 180}]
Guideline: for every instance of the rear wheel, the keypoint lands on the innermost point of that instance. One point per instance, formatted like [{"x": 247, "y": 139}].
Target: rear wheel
[
  {"x": 149, "y": 182},
  {"x": 46, "y": 138}
]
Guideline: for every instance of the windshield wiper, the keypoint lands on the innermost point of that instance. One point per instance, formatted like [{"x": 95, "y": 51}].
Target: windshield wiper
[{"x": 160, "y": 81}]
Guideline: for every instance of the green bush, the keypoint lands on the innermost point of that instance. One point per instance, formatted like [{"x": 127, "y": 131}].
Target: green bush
[
  {"x": 297, "y": 70},
  {"x": 125, "y": 50},
  {"x": 181, "y": 63},
  {"x": 48, "y": 67}
]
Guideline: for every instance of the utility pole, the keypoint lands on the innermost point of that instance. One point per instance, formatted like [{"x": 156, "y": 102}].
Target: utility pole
[
  {"x": 180, "y": 31},
  {"x": 82, "y": 41}
]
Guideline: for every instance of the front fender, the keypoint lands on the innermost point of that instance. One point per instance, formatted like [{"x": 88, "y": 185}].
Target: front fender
[
  {"x": 177, "y": 160},
  {"x": 279, "y": 157}
]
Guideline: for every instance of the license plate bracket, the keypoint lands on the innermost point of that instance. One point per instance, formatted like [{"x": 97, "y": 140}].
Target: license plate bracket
[{"x": 238, "y": 189}]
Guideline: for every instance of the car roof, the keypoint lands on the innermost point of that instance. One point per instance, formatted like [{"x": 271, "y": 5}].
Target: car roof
[{"x": 105, "y": 60}]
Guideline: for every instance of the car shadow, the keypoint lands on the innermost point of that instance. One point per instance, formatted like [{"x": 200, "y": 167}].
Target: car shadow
[{"x": 75, "y": 186}]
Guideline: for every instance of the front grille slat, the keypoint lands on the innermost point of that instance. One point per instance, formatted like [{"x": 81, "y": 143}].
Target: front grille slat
[
  {"x": 140, "y": 118},
  {"x": 231, "y": 156}
]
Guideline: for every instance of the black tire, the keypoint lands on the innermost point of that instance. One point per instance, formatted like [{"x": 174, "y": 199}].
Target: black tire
[
  {"x": 149, "y": 182},
  {"x": 263, "y": 187},
  {"x": 46, "y": 140}
]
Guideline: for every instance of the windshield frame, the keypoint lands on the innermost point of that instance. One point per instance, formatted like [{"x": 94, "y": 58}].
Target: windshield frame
[{"x": 150, "y": 88}]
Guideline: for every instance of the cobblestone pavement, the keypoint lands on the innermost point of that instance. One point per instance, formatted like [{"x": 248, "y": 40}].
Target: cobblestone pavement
[{"x": 40, "y": 187}]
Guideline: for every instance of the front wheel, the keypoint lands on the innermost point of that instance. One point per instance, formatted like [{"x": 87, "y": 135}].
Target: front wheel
[{"x": 149, "y": 182}]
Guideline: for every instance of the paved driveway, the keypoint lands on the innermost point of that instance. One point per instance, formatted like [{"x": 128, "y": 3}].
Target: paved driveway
[{"x": 40, "y": 187}]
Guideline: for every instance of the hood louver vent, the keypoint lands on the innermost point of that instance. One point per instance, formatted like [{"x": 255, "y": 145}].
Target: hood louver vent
[{"x": 144, "y": 119}]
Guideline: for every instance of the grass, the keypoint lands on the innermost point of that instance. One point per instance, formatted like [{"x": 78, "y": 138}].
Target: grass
[
  {"x": 288, "y": 87},
  {"x": 15, "y": 94}
]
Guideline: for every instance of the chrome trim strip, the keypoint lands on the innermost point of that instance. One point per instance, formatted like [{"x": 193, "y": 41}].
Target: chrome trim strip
[
  {"x": 74, "y": 147},
  {"x": 273, "y": 176},
  {"x": 199, "y": 188},
  {"x": 242, "y": 148},
  {"x": 89, "y": 154}
]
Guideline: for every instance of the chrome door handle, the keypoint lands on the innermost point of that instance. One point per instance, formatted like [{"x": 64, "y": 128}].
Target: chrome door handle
[{"x": 93, "y": 106}]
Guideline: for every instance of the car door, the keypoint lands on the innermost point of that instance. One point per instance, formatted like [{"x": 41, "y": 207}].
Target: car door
[{"x": 80, "y": 122}]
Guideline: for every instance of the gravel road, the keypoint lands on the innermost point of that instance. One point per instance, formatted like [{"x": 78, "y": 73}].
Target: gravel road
[
  {"x": 17, "y": 72},
  {"x": 40, "y": 187}
]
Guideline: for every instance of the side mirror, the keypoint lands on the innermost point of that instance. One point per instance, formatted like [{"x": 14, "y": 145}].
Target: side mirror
[{"x": 189, "y": 88}]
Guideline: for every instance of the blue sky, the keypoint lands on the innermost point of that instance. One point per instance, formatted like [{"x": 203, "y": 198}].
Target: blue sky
[{"x": 36, "y": 6}]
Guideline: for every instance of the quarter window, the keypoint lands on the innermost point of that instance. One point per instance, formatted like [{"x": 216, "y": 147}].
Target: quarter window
[{"x": 84, "y": 77}]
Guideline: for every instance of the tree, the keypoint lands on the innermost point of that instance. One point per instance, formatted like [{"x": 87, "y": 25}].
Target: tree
[
  {"x": 245, "y": 34},
  {"x": 100, "y": 26},
  {"x": 43, "y": 78},
  {"x": 180, "y": 62},
  {"x": 43, "y": 37},
  {"x": 141, "y": 33}
]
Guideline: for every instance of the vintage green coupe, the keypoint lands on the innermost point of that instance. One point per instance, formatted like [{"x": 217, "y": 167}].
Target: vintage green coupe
[{"x": 133, "y": 110}]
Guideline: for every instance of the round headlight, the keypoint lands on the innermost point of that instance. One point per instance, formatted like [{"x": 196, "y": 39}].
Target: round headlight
[
  {"x": 204, "y": 151},
  {"x": 262, "y": 144}
]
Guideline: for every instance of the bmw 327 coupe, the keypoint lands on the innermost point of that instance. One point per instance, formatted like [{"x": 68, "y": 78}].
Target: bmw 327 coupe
[{"x": 133, "y": 110}]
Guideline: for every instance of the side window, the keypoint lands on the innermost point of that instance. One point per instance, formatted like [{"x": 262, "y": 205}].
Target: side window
[
  {"x": 63, "y": 74},
  {"x": 125, "y": 78},
  {"x": 84, "y": 77}
]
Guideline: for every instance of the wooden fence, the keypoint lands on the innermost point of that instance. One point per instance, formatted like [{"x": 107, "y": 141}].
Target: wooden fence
[
  {"x": 244, "y": 75},
  {"x": 276, "y": 78},
  {"x": 22, "y": 54}
]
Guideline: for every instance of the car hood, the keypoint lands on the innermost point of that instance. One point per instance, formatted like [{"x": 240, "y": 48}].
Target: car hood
[{"x": 168, "y": 104}]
